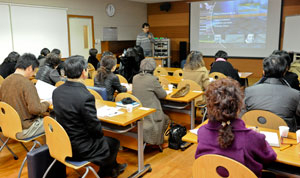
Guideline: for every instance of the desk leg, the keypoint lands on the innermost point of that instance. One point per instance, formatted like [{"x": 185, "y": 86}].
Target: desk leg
[
  {"x": 142, "y": 169},
  {"x": 193, "y": 114}
]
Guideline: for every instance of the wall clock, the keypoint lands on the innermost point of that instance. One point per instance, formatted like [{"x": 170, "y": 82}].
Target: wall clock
[{"x": 110, "y": 10}]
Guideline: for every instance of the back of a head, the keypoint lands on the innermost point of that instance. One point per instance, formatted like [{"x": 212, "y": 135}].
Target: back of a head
[
  {"x": 93, "y": 52},
  {"x": 145, "y": 25},
  {"x": 274, "y": 66},
  {"x": 26, "y": 60},
  {"x": 147, "y": 65},
  {"x": 107, "y": 53},
  {"x": 224, "y": 100},
  {"x": 194, "y": 60},
  {"x": 106, "y": 64},
  {"x": 74, "y": 65},
  {"x": 221, "y": 54},
  {"x": 45, "y": 51},
  {"x": 131, "y": 52},
  {"x": 12, "y": 57},
  {"x": 140, "y": 52},
  {"x": 52, "y": 60},
  {"x": 284, "y": 54},
  {"x": 56, "y": 51}
]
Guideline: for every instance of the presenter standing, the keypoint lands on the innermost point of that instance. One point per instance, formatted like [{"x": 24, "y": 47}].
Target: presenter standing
[{"x": 145, "y": 40}]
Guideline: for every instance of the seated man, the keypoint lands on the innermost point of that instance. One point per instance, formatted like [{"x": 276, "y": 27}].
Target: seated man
[
  {"x": 221, "y": 65},
  {"x": 272, "y": 93},
  {"x": 20, "y": 93},
  {"x": 74, "y": 107}
]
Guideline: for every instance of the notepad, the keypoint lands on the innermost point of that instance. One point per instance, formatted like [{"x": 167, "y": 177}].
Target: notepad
[
  {"x": 44, "y": 90},
  {"x": 271, "y": 138},
  {"x": 108, "y": 111}
]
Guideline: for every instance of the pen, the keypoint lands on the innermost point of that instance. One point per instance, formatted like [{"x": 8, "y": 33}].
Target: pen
[{"x": 285, "y": 147}]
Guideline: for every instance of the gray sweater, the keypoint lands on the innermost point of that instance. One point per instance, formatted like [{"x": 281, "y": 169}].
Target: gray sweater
[{"x": 143, "y": 41}]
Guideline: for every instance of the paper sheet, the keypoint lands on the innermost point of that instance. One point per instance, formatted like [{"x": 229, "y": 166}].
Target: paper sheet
[
  {"x": 194, "y": 131},
  {"x": 44, "y": 90},
  {"x": 108, "y": 111},
  {"x": 271, "y": 138}
]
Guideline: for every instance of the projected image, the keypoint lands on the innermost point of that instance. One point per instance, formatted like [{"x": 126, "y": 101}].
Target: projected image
[{"x": 233, "y": 24}]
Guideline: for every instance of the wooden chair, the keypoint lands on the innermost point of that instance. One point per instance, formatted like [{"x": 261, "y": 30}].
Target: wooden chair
[
  {"x": 60, "y": 147},
  {"x": 261, "y": 118},
  {"x": 1, "y": 80},
  {"x": 205, "y": 167},
  {"x": 96, "y": 94},
  {"x": 10, "y": 124},
  {"x": 120, "y": 96},
  {"x": 163, "y": 81},
  {"x": 33, "y": 81},
  {"x": 217, "y": 75},
  {"x": 160, "y": 71},
  {"x": 122, "y": 79},
  {"x": 89, "y": 82},
  {"x": 178, "y": 73},
  {"x": 59, "y": 83},
  {"x": 91, "y": 70},
  {"x": 199, "y": 101}
]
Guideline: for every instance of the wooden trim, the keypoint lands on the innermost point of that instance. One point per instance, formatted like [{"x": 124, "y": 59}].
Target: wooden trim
[
  {"x": 80, "y": 16},
  {"x": 85, "y": 36}
]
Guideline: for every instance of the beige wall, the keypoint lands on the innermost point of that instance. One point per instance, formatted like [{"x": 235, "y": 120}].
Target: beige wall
[{"x": 129, "y": 15}]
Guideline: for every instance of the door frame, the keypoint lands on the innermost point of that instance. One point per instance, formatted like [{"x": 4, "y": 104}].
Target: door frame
[{"x": 80, "y": 16}]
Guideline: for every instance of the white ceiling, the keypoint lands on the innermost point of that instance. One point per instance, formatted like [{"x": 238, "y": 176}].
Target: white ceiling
[{"x": 153, "y": 1}]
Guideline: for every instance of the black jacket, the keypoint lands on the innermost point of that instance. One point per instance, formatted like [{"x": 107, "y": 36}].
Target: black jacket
[
  {"x": 227, "y": 69},
  {"x": 7, "y": 68},
  {"x": 111, "y": 83},
  {"x": 93, "y": 60},
  {"x": 48, "y": 75},
  {"x": 292, "y": 79},
  {"x": 75, "y": 110}
]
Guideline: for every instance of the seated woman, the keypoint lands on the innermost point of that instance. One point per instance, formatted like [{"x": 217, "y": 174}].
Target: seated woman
[
  {"x": 227, "y": 135},
  {"x": 194, "y": 69},
  {"x": 93, "y": 57},
  {"x": 147, "y": 89},
  {"x": 9, "y": 63},
  {"x": 48, "y": 72},
  {"x": 107, "y": 79}
]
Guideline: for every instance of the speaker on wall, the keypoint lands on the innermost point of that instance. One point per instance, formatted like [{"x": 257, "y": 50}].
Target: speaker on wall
[
  {"x": 182, "y": 50},
  {"x": 166, "y": 6}
]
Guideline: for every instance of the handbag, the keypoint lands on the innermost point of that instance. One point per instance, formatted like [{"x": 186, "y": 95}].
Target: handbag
[
  {"x": 175, "y": 133},
  {"x": 182, "y": 92}
]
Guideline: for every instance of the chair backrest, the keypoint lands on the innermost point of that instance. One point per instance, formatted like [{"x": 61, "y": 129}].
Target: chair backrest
[
  {"x": 96, "y": 94},
  {"x": 120, "y": 96},
  {"x": 59, "y": 83},
  {"x": 178, "y": 73},
  {"x": 122, "y": 79},
  {"x": 100, "y": 90},
  {"x": 91, "y": 70},
  {"x": 193, "y": 86},
  {"x": 160, "y": 71},
  {"x": 206, "y": 167},
  {"x": 163, "y": 81},
  {"x": 217, "y": 75},
  {"x": 261, "y": 118},
  {"x": 10, "y": 121},
  {"x": 57, "y": 140},
  {"x": 1, "y": 79},
  {"x": 33, "y": 81},
  {"x": 89, "y": 82}
]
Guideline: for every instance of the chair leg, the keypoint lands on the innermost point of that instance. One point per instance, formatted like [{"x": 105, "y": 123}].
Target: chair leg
[
  {"x": 93, "y": 170},
  {"x": 24, "y": 146},
  {"x": 86, "y": 172},
  {"x": 48, "y": 169},
  {"x": 5, "y": 145},
  {"x": 23, "y": 163}
]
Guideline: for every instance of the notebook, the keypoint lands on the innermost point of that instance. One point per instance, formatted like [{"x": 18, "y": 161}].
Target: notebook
[{"x": 271, "y": 138}]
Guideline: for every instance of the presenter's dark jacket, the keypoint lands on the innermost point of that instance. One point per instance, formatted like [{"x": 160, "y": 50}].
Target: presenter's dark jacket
[
  {"x": 227, "y": 69},
  {"x": 292, "y": 79},
  {"x": 75, "y": 110}
]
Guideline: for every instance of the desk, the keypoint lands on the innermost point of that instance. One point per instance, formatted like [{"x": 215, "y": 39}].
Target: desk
[
  {"x": 245, "y": 75},
  {"x": 172, "y": 79},
  {"x": 125, "y": 119},
  {"x": 289, "y": 156},
  {"x": 171, "y": 69},
  {"x": 189, "y": 98}
]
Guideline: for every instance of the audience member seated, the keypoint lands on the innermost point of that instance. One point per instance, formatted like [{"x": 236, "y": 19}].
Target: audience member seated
[
  {"x": 273, "y": 93},
  {"x": 226, "y": 135},
  {"x": 92, "y": 59},
  {"x": 75, "y": 110},
  {"x": 20, "y": 93},
  {"x": 194, "y": 69},
  {"x": 105, "y": 53},
  {"x": 130, "y": 64},
  {"x": 223, "y": 66},
  {"x": 60, "y": 67},
  {"x": 107, "y": 79},
  {"x": 9, "y": 64},
  {"x": 147, "y": 89},
  {"x": 42, "y": 56},
  {"x": 290, "y": 77},
  {"x": 48, "y": 72}
]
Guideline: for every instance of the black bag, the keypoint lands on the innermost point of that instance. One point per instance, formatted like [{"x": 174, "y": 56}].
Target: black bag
[{"x": 176, "y": 132}]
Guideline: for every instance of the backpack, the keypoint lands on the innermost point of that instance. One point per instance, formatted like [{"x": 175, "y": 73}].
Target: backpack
[{"x": 176, "y": 132}]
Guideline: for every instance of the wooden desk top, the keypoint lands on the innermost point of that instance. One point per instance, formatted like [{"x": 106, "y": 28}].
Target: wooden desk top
[
  {"x": 187, "y": 98},
  {"x": 158, "y": 58},
  {"x": 245, "y": 74},
  {"x": 125, "y": 118},
  {"x": 172, "y": 79},
  {"x": 171, "y": 69},
  {"x": 289, "y": 156}
]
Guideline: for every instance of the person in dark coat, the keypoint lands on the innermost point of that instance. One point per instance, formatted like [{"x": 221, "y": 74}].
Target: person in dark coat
[
  {"x": 92, "y": 59},
  {"x": 107, "y": 79},
  {"x": 223, "y": 66},
  {"x": 75, "y": 110},
  {"x": 9, "y": 63},
  {"x": 290, "y": 77}
]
